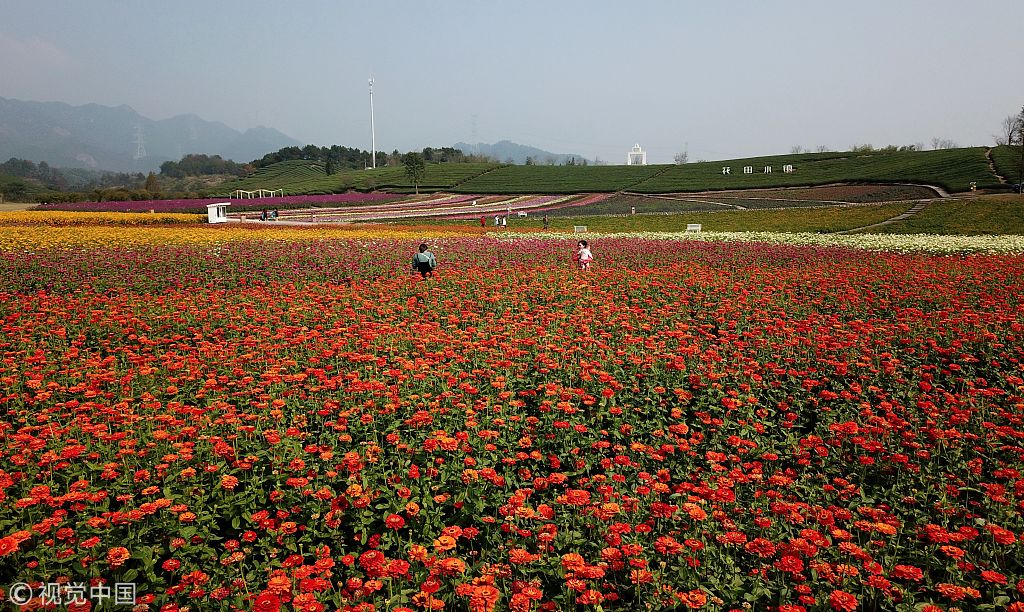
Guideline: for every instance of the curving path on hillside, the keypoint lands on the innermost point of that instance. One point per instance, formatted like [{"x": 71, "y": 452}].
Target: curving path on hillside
[
  {"x": 992, "y": 166},
  {"x": 913, "y": 210}
]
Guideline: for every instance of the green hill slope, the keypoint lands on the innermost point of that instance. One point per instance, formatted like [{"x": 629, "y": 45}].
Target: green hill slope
[
  {"x": 559, "y": 179},
  {"x": 1008, "y": 163},
  {"x": 952, "y": 169},
  {"x": 308, "y": 177}
]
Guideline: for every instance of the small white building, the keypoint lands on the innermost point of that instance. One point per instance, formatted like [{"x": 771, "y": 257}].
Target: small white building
[
  {"x": 636, "y": 156},
  {"x": 217, "y": 212}
]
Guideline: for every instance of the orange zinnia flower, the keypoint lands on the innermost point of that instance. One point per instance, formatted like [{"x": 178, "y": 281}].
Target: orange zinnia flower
[
  {"x": 452, "y": 567},
  {"x": 279, "y": 584},
  {"x": 444, "y": 543},
  {"x": 117, "y": 556},
  {"x": 695, "y": 599}
]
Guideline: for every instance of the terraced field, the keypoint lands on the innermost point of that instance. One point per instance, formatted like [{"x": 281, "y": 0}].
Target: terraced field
[
  {"x": 628, "y": 203},
  {"x": 952, "y": 169},
  {"x": 559, "y": 179},
  {"x": 307, "y": 177}
]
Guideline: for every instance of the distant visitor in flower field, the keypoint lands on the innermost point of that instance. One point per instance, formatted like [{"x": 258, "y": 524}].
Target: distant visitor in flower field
[
  {"x": 583, "y": 256},
  {"x": 424, "y": 262}
]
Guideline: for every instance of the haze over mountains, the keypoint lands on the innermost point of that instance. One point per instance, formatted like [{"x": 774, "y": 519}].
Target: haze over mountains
[
  {"x": 99, "y": 137},
  {"x": 505, "y": 150},
  {"x": 107, "y": 138}
]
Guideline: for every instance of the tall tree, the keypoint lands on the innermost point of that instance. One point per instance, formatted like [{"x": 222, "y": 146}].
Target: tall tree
[
  {"x": 152, "y": 185},
  {"x": 1008, "y": 130},
  {"x": 415, "y": 168}
]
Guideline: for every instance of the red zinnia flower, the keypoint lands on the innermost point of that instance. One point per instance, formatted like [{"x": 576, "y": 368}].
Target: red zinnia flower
[
  {"x": 267, "y": 602},
  {"x": 991, "y": 576},
  {"x": 394, "y": 521},
  {"x": 760, "y": 547},
  {"x": 7, "y": 546},
  {"x": 907, "y": 572},
  {"x": 841, "y": 600}
]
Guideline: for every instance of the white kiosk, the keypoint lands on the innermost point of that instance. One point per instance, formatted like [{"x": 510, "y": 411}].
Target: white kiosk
[{"x": 217, "y": 212}]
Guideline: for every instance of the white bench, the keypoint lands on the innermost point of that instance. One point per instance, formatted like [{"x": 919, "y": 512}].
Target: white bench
[
  {"x": 579, "y": 229},
  {"x": 692, "y": 227}
]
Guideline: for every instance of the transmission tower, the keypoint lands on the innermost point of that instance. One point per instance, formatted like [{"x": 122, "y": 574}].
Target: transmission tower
[
  {"x": 475, "y": 143},
  {"x": 140, "y": 143}
]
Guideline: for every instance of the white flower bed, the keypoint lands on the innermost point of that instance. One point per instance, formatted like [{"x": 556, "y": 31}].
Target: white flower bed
[{"x": 905, "y": 243}]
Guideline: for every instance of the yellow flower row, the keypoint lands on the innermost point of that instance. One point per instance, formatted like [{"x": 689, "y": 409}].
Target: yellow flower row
[
  {"x": 35, "y": 237},
  {"x": 58, "y": 217}
]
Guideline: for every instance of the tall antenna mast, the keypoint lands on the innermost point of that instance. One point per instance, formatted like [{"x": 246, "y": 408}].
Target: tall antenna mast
[
  {"x": 475, "y": 143},
  {"x": 373, "y": 135}
]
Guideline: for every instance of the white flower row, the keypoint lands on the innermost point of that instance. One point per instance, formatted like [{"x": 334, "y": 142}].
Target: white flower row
[{"x": 903, "y": 243}]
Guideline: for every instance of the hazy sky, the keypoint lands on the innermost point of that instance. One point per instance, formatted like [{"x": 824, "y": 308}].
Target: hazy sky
[{"x": 721, "y": 79}]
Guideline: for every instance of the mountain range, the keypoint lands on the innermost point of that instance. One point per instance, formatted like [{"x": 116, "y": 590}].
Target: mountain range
[
  {"x": 120, "y": 139},
  {"x": 505, "y": 150}
]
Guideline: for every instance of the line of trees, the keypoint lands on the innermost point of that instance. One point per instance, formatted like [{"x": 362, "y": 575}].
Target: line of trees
[
  {"x": 21, "y": 179},
  {"x": 336, "y": 158},
  {"x": 199, "y": 164},
  {"x": 42, "y": 172}
]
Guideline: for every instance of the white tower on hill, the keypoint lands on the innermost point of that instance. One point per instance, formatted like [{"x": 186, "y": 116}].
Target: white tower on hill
[{"x": 636, "y": 156}]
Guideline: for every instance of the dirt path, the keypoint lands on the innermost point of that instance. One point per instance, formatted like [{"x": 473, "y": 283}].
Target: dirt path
[
  {"x": 913, "y": 210},
  {"x": 992, "y": 166},
  {"x": 280, "y": 221},
  {"x": 701, "y": 200},
  {"x": 9, "y": 206},
  {"x": 916, "y": 208}
]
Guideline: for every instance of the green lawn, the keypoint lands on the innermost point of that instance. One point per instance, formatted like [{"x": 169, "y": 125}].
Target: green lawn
[{"x": 983, "y": 216}]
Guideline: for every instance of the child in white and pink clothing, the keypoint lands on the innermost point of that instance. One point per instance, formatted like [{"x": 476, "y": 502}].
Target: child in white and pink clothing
[{"x": 583, "y": 256}]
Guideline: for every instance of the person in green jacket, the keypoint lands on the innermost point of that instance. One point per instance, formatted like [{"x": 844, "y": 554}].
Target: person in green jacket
[{"x": 424, "y": 262}]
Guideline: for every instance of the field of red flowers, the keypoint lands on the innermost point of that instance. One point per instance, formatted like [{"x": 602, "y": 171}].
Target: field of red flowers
[{"x": 303, "y": 425}]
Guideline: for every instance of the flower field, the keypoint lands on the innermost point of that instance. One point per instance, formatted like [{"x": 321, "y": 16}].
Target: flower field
[
  {"x": 286, "y": 419},
  {"x": 198, "y": 205}
]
